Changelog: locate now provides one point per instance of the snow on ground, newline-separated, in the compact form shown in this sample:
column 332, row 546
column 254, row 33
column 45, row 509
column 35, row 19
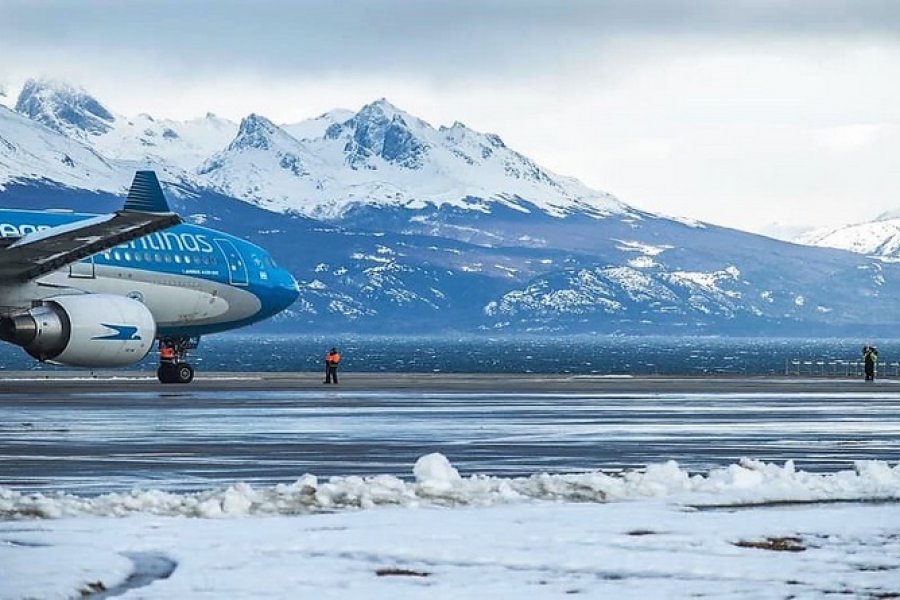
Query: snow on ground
column 641, row 247
column 662, row 533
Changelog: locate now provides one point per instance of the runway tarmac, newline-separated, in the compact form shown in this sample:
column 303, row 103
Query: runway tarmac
column 68, row 431
column 62, row 382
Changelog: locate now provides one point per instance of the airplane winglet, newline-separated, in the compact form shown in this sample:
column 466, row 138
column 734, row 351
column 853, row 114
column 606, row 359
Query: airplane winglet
column 146, row 195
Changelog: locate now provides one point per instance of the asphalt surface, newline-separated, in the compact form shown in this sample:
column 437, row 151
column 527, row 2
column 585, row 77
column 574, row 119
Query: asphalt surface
column 89, row 434
column 63, row 382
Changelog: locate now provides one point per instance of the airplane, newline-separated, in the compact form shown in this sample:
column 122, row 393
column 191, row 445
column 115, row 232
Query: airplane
column 99, row 291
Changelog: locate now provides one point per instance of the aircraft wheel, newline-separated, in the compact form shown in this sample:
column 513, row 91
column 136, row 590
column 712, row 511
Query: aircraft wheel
column 165, row 373
column 184, row 373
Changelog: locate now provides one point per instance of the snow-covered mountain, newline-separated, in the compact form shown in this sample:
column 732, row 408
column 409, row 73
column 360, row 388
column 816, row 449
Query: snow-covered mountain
column 378, row 156
column 179, row 144
column 67, row 110
column 72, row 112
column 879, row 238
column 31, row 151
column 382, row 156
column 311, row 129
column 392, row 224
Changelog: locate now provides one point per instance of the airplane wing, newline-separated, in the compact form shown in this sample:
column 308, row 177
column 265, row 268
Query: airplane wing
column 145, row 211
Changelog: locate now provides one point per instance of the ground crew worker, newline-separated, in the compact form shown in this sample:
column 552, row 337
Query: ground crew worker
column 870, row 357
column 166, row 352
column 332, row 360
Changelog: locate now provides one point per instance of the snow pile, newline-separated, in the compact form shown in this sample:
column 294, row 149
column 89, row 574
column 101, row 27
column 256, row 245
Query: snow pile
column 434, row 473
column 438, row 483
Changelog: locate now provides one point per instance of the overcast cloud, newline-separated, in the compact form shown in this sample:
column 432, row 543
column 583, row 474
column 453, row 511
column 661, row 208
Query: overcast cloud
column 744, row 113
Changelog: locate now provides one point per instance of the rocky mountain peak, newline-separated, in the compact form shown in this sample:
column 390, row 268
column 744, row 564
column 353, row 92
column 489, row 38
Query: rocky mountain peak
column 271, row 146
column 255, row 131
column 380, row 129
column 383, row 108
column 63, row 108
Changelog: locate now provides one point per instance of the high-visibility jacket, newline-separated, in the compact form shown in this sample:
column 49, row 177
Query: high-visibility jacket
column 167, row 352
column 333, row 359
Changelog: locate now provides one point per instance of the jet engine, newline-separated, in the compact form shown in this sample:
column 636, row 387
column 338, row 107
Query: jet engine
column 90, row 330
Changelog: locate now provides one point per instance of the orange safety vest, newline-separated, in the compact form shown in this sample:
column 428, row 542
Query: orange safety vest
column 167, row 352
column 333, row 358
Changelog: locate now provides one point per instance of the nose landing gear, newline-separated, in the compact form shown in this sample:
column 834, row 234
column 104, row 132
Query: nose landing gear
column 172, row 355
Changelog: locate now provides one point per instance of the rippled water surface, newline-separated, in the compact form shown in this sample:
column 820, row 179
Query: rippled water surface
column 486, row 354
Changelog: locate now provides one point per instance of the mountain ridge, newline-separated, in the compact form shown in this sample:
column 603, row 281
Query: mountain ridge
column 391, row 153
column 391, row 224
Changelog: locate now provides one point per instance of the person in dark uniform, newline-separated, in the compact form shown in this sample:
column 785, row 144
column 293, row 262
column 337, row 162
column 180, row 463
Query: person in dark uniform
column 870, row 358
column 332, row 360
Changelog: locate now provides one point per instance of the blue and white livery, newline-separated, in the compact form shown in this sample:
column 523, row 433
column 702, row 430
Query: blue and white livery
column 101, row 291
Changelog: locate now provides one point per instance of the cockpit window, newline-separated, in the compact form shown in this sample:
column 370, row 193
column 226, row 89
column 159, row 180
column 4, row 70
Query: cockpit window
column 270, row 263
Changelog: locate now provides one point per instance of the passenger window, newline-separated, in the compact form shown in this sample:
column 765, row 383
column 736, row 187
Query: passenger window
column 116, row 255
column 178, row 259
column 137, row 257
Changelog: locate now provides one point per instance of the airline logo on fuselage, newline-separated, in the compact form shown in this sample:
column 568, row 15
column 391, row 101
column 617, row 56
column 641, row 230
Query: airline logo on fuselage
column 161, row 241
column 172, row 241
column 10, row 230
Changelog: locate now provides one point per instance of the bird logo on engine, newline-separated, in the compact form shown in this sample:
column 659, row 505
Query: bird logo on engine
column 125, row 333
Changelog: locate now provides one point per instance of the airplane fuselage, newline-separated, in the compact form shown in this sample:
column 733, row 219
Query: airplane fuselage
column 194, row 280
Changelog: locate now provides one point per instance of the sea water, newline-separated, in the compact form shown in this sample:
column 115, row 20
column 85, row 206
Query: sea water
column 582, row 354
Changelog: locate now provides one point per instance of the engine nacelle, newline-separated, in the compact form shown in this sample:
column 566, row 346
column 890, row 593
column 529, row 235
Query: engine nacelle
column 90, row 330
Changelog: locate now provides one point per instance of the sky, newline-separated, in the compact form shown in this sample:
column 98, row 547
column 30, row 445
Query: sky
column 769, row 116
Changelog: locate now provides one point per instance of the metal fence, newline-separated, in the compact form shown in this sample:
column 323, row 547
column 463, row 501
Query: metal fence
column 837, row 368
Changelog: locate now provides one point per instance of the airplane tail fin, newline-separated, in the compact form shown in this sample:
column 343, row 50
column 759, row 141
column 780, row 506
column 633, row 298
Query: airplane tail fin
column 146, row 195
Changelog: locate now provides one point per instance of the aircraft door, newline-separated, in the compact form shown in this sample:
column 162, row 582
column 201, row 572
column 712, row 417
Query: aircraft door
column 237, row 268
column 83, row 269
